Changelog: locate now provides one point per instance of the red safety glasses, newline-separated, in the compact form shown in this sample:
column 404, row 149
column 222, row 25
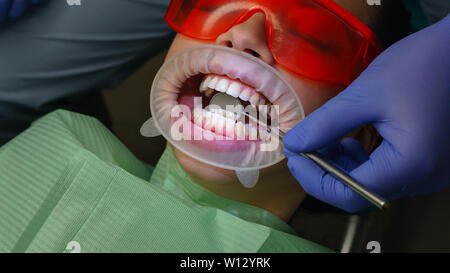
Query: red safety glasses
column 317, row 39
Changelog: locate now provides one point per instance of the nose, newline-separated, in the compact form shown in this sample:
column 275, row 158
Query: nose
column 249, row 36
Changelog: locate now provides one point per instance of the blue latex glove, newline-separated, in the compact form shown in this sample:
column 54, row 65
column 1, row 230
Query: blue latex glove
column 405, row 94
column 14, row 8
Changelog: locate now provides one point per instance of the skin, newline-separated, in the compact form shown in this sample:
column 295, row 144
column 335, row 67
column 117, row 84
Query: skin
column 284, row 196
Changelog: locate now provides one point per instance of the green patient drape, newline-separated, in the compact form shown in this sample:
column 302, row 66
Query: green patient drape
column 67, row 178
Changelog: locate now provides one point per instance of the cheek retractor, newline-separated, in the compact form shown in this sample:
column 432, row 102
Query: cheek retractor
column 184, row 126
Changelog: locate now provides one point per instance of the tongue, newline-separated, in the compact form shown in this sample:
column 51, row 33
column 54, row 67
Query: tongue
column 187, row 100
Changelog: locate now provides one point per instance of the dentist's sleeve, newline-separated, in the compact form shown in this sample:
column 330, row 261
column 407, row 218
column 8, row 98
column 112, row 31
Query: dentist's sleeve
column 405, row 94
column 61, row 55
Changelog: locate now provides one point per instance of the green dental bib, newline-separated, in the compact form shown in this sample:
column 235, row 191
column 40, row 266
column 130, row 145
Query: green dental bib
column 67, row 180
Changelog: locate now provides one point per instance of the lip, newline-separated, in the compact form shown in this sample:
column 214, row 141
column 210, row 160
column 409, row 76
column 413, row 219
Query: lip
column 208, row 59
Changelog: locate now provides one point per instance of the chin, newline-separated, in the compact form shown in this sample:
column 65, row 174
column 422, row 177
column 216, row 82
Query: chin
column 204, row 173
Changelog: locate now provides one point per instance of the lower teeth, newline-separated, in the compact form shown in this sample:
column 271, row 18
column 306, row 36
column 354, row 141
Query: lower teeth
column 220, row 123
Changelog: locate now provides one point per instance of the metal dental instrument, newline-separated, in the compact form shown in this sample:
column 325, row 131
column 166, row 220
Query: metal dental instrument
column 221, row 100
column 334, row 171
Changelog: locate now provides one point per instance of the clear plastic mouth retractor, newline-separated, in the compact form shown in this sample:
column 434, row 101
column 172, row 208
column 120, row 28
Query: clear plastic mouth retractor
column 246, row 159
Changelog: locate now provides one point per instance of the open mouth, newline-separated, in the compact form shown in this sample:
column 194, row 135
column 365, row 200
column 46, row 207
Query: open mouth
column 226, row 139
column 222, row 122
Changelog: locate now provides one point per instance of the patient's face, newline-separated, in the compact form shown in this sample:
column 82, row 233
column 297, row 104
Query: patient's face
column 250, row 37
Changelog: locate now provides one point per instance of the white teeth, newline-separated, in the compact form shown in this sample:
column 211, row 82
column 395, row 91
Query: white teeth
column 213, row 82
column 220, row 123
column 240, row 133
column 245, row 94
column 204, row 84
column 230, row 127
column 216, row 121
column 264, row 109
column 230, row 115
column 254, row 100
column 198, row 117
column 208, row 119
column 207, row 114
column 263, row 134
column 224, row 113
column 214, row 110
column 233, row 89
column 253, row 135
column 222, row 85
column 208, row 124
column 218, row 111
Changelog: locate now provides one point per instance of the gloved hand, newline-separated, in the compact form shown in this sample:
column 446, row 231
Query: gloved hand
column 405, row 94
column 14, row 8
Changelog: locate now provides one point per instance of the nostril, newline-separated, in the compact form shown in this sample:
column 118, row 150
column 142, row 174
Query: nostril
column 254, row 53
column 248, row 50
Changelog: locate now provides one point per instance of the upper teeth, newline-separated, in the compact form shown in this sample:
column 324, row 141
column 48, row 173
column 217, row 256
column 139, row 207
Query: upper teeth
column 231, row 87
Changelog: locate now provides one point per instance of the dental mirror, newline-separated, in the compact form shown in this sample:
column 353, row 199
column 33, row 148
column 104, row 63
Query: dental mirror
column 223, row 100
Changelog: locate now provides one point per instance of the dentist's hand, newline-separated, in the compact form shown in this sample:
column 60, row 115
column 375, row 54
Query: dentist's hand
column 14, row 8
column 405, row 94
